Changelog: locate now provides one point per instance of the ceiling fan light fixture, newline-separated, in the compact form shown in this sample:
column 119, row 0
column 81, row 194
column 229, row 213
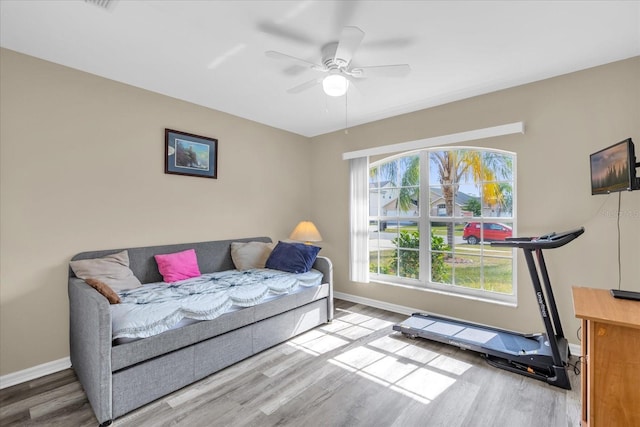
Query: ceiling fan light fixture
column 335, row 84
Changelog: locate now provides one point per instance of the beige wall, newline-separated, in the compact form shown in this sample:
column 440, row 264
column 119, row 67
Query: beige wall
column 81, row 168
column 566, row 118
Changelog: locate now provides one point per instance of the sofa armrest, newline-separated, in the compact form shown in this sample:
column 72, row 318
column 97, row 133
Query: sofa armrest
column 90, row 345
column 324, row 265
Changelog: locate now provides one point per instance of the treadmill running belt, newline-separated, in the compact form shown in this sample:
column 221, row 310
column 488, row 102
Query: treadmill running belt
column 516, row 343
column 444, row 328
column 497, row 340
column 476, row 335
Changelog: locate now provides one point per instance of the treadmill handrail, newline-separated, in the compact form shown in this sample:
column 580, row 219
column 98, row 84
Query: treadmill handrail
column 548, row 241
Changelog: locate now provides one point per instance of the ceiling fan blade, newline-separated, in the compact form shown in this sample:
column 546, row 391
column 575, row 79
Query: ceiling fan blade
column 278, row 55
column 350, row 39
column 278, row 31
column 398, row 70
column 304, row 86
column 343, row 14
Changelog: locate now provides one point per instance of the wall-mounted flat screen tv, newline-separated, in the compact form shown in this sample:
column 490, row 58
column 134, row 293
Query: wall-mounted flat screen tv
column 614, row 168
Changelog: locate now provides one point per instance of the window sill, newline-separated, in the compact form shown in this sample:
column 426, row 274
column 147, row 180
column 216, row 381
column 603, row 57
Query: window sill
column 477, row 298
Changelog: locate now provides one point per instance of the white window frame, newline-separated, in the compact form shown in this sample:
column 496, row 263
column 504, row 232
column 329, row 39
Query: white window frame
column 425, row 218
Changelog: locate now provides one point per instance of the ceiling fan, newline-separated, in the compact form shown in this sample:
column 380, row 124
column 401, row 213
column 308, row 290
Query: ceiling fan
column 336, row 63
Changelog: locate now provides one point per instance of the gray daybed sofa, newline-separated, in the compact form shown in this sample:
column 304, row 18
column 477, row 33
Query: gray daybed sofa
column 119, row 378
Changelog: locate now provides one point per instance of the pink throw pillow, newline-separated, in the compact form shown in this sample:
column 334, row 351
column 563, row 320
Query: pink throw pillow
column 178, row 266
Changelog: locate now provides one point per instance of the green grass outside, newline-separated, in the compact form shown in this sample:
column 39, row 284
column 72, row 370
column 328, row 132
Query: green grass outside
column 497, row 271
column 438, row 230
column 497, row 275
column 441, row 230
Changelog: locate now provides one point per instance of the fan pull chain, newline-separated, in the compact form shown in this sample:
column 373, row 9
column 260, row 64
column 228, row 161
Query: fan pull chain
column 346, row 127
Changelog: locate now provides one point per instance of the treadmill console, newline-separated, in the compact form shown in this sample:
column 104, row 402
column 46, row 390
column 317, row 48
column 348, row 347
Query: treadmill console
column 547, row 241
column 557, row 236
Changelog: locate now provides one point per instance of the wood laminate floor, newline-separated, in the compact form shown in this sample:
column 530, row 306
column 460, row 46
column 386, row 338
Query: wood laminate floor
column 355, row 371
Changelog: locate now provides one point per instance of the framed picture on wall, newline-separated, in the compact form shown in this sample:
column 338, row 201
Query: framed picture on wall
column 189, row 154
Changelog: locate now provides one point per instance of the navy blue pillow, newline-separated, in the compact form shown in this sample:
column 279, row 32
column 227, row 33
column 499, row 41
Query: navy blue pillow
column 292, row 257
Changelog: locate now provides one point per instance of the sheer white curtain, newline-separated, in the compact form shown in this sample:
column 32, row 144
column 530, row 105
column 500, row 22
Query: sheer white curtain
column 359, row 220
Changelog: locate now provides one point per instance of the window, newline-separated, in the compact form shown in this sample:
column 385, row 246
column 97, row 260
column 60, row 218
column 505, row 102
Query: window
column 462, row 199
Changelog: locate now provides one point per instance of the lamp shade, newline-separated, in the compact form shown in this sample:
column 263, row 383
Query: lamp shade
column 306, row 232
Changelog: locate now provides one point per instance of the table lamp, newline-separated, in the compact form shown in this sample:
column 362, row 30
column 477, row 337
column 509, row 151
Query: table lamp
column 306, row 232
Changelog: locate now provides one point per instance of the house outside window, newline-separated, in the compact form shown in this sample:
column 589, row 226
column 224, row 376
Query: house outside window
column 461, row 199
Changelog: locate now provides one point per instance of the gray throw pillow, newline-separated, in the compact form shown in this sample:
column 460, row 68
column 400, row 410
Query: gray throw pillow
column 250, row 255
column 111, row 269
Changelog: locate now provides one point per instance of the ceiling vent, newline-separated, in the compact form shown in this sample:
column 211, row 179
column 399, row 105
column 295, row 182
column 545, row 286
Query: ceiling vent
column 104, row 4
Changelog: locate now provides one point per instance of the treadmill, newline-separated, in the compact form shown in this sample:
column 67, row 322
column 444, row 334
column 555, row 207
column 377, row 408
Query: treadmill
column 541, row 356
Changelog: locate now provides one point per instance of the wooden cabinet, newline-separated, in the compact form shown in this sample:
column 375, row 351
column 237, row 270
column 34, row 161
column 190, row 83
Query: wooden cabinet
column 610, row 377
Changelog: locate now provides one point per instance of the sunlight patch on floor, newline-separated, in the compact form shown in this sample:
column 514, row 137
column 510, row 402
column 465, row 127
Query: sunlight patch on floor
column 335, row 326
column 389, row 344
column 380, row 365
column 354, row 332
column 376, row 324
column 318, row 343
column 426, row 383
column 307, row 336
column 355, row 318
column 417, row 354
column 449, row 364
column 390, row 369
column 404, row 367
column 358, row 357
column 341, row 331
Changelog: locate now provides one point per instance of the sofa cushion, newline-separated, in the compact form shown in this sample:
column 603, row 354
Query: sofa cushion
column 248, row 255
column 104, row 289
column 113, row 270
column 292, row 257
column 178, row 266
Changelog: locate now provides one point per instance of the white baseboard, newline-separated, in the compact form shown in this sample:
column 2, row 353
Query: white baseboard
column 34, row 372
column 573, row 348
column 377, row 304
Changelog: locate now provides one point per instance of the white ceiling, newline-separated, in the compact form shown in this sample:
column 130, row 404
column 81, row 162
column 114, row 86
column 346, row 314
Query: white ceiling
column 211, row 53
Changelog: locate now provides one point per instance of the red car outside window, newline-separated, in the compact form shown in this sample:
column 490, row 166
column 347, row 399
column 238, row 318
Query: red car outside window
column 491, row 231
